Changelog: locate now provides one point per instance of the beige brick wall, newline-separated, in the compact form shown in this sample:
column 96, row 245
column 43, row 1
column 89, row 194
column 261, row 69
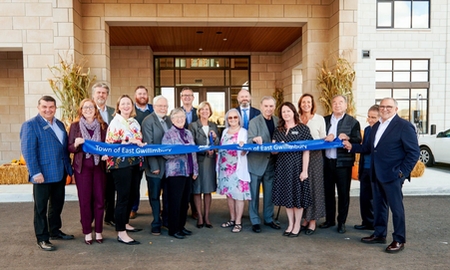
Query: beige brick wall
column 12, row 110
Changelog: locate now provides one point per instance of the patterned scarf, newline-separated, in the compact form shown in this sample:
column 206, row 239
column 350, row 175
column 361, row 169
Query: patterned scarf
column 94, row 126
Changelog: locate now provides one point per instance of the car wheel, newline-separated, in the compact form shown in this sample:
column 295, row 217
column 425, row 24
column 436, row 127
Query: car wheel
column 426, row 156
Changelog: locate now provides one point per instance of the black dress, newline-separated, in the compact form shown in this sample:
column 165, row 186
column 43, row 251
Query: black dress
column 288, row 190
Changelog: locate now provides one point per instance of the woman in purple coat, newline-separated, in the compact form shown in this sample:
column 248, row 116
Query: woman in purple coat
column 89, row 170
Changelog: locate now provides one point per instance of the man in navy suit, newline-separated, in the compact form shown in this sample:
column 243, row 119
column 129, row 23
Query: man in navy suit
column 247, row 112
column 394, row 152
column 44, row 146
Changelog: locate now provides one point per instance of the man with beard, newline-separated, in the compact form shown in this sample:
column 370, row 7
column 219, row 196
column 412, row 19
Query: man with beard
column 247, row 112
column 142, row 110
column 100, row 92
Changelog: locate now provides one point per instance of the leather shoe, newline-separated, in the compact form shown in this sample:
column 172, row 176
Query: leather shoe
column 395, row 247
column 341, row 228
column 272, row 225
column 132, row 242
column 178, row 235
column 100, row 241
column 186, row 231
column 62, row 236
column 46, row 245
column 256, row 228
column 156, row 230
column 133, row 215
column 134, row 230
column 310, row 231
column 110, row 223
column 209, row 226
column 363, row 227
column 373, row 240
column 326, row 225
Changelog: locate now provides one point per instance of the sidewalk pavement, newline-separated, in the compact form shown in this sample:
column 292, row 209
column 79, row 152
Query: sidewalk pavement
column 435, row 181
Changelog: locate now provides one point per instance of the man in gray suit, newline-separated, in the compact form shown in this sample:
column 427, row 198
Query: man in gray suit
column 153, row 128
column 100, row 92
column 261, row 165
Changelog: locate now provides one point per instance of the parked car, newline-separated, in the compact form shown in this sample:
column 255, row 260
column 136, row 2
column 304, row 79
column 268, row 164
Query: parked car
column 435, row 148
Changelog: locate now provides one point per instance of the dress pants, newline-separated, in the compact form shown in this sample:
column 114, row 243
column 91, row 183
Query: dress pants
column 253, row 206
column 339, row 177
column 91, row 184
column 110, row 197
column 48, row 197
column 178, row 192
column 126, row 181
column 365, row 198
column 154, row 193
column 385, row 196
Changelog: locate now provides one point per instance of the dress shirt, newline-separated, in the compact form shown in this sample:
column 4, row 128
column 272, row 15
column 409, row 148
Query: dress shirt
column 381, row 128
column 103, row 113
column 332, row 153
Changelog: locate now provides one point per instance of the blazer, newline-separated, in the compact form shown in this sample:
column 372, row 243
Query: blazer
column 367, row 132
column 194, row 117
column 153, row 132
column 253, row 112
column 77, row 162
column 397, row 151
column 258, row 161
column 351, row 127
column 177, row 165
column 42, row 150
column 200, row 138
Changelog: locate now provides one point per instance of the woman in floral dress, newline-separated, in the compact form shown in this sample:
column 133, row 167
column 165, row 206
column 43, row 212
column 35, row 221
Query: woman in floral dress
column 233, row 176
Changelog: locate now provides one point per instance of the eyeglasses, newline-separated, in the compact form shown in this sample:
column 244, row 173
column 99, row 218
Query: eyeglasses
column 187, row 95
column 386, row 107
column 88, row 107
column 233, row 117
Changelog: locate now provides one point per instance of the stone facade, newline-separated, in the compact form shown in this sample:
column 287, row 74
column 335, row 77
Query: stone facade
column 35, row 32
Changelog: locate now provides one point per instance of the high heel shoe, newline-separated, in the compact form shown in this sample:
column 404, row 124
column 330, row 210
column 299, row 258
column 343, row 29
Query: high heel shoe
column 291, row 234
column 200, row 225
column 88, row 242
column 100, row 241
column 286, row 233
column 209, row 226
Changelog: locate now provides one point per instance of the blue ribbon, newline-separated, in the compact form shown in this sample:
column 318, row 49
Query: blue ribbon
column 131, row 150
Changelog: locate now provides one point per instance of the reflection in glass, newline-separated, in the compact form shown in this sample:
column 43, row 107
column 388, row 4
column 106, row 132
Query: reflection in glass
column 169, row 93
column 402, row 14
column 420, row 14
column 422, row 92
column 401, row 77
column 402, row 64
column 217, row 101
column 383, row 65
column 384, row 15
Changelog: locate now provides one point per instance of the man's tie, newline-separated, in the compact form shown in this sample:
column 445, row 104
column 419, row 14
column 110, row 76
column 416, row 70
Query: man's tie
column 245, row 116
column 164, row 125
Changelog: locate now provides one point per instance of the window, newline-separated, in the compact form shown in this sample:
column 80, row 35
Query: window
column 406, row 80
column 403, row 14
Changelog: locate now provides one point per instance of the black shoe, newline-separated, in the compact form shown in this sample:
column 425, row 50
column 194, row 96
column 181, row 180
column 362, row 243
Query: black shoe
column 156, row 231
column 209, row 226
column 200, row 225
column 310, row 231
column 178, row 235
column 286, row 233
column 256, row 228
column 186, row 231
column 132, row 242
column 272, row 225
column 326, row 225
column 364, row 227
column 341, row 228
column 374, row 239
column 291, row 234
column 62, row 236
column 134, row 230
column 46, row 245
column 110, row 223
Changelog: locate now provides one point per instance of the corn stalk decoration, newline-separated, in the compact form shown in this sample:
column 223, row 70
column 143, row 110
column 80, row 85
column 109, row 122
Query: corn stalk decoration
column 338, row 81
column 278, row 95
column 71, row 85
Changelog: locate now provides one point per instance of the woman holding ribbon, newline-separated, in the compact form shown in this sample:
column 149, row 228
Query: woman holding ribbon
column 89, row 170
column 126, row 172
column 316, row 124
column 204, row 132
column 233, row 176
column 180, row 171
column 291, row 185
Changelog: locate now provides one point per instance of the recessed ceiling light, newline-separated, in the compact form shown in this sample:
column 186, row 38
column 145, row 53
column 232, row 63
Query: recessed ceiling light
column 200, row 49
column 199, row 32
column 225, row 39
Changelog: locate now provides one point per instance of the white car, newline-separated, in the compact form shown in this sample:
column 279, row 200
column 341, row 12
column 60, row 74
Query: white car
column 435, row 148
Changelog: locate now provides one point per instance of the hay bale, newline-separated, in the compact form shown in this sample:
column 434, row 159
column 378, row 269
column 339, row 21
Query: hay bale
column 13, row 174
column 418, row 170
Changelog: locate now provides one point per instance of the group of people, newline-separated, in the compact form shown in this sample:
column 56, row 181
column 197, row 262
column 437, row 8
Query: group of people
column 303, row 182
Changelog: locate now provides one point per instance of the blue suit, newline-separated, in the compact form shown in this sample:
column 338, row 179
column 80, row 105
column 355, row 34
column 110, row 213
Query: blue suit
column 44, row 153
column 392, row 161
